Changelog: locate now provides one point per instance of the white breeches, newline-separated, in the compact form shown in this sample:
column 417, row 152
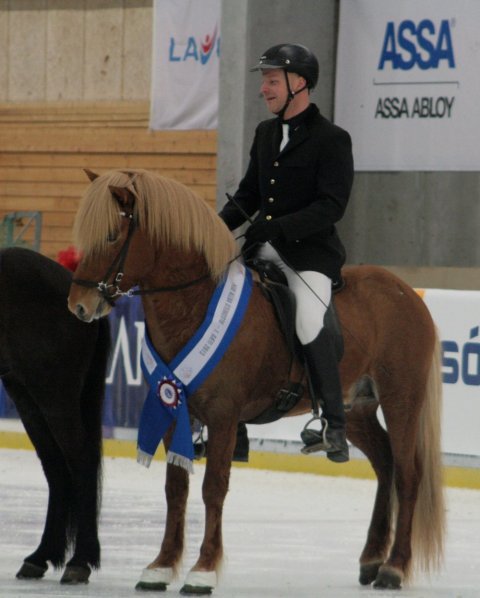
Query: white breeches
column 312, row 290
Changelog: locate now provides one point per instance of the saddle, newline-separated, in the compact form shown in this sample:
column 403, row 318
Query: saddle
column 275, row 287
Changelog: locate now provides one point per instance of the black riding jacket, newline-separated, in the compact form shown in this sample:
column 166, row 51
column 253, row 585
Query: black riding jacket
column 305, row 188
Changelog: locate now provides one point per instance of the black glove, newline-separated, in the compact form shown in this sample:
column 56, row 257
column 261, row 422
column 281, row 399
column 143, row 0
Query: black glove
column 262, row 231
column 231, row 218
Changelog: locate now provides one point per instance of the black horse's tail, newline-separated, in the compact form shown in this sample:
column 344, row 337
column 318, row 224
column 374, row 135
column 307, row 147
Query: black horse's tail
column 94, row 393
column 92, row 401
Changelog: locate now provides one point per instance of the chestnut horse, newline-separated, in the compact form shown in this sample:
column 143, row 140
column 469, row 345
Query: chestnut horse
column 53, row 368
column 138, row 228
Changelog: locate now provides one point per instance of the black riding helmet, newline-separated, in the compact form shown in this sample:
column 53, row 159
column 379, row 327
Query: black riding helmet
column 293, row 58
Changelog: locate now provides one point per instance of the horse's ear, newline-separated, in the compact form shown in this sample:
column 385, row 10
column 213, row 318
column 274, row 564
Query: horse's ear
column 91, row 175
column 121, row 194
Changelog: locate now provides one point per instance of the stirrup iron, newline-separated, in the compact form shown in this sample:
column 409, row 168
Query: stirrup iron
column 315, row 440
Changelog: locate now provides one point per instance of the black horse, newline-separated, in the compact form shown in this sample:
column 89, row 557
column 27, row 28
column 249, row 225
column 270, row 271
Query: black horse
column 53, row 368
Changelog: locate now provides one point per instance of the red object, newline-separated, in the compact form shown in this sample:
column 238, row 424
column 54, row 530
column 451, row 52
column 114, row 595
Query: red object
column 69, row 258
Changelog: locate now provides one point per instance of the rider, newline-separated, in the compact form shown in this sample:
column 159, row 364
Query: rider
column 299, row 180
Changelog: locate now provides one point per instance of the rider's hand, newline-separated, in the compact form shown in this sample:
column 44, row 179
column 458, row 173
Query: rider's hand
column 262, row 231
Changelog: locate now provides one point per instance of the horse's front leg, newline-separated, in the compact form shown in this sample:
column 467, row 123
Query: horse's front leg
column 160, row 572
column 221, row 443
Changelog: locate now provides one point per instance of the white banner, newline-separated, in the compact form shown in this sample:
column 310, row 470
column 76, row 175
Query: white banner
column 185, row 64
column 408, row 84
column 457, row 316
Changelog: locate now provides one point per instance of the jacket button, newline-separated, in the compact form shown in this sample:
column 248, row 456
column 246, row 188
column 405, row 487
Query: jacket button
column 276, row 164
column 268, row 217
column 271, row 199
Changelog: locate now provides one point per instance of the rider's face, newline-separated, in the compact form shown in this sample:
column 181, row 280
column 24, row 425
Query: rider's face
column 274, row 88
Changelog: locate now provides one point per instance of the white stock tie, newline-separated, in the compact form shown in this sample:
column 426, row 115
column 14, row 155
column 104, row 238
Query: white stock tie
column 284, row 141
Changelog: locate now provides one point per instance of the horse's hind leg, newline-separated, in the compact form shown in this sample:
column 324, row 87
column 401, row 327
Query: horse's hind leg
column 366, row 433
column 53, row 544
column 407, row 480
column 83, row 462
column 163, row 569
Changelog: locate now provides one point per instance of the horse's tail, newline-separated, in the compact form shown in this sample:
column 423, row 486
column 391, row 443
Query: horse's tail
column 428, row 527
column 93, row 396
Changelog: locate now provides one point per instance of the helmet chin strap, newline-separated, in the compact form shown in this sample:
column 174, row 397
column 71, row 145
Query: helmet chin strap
column 290, row 96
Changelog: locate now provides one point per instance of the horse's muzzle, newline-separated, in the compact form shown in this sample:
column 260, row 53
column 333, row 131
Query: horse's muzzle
column 88, row 313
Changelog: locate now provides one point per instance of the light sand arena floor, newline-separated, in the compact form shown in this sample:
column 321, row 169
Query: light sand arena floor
column 285, row 534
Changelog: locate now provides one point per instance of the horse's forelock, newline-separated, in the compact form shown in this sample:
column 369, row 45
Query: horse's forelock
column 98, row 213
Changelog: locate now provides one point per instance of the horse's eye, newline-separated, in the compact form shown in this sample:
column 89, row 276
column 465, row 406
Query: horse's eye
column 112, row 236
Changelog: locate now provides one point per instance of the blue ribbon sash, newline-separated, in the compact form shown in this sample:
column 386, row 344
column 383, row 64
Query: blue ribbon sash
column 171, row 384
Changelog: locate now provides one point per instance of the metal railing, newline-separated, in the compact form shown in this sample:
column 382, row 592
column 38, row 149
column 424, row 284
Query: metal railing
column 21, row 229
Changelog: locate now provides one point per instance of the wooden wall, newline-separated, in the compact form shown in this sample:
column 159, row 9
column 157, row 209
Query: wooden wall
column 74, row 94
column 45, row 145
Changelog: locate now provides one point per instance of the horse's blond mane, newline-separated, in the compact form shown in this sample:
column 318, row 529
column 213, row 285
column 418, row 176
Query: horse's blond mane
column 167, row 211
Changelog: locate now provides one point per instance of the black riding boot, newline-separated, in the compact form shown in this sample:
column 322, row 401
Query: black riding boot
column 322, row 367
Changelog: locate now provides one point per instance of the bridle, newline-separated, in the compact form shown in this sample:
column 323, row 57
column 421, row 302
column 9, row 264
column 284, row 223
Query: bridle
column 112, row 291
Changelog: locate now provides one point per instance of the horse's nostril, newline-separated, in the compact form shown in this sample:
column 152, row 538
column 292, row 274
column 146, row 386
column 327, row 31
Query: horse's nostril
column 80, row 312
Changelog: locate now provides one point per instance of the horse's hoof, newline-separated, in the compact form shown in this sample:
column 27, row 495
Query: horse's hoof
column 31, row 571
column 151, row 587
column 388, row 578
column 199, row 583
column 368, row 573
column 143, row 586
column 155, row 580
column 74, row 574
column 189, row 590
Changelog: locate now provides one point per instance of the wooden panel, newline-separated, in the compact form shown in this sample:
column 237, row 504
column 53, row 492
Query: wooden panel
column 37, row 204
column 52, row 248
column 109, row 161
column 45, row 146
column 57, row 234
column 31, row 112
column 188, row 177
column 61, row 219
column 69, row 190
column 107, row 139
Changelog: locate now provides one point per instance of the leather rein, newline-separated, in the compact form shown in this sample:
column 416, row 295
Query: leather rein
column 111, row 291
